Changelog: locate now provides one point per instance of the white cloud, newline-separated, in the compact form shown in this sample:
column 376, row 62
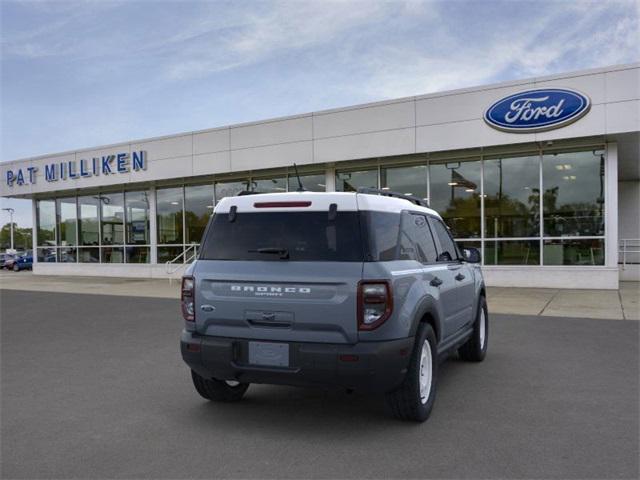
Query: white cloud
column 53, row 29
column 211, row 38
column 528, row 47
column 288, row 26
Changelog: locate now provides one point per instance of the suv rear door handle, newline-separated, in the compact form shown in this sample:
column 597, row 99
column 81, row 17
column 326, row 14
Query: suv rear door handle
column 459, row 277
column 436, row 282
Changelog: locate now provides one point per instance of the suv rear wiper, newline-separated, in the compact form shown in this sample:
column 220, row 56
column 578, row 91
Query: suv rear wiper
column 283, row 252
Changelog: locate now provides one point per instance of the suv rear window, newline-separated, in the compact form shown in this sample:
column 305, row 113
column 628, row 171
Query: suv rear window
column 294, row 236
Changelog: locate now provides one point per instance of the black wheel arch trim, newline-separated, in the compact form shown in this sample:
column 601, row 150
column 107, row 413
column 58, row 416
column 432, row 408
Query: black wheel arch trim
column 427, row 307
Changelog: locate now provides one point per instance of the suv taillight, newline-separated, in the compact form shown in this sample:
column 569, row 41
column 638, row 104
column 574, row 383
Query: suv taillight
column 375, row 303
column 187, row 299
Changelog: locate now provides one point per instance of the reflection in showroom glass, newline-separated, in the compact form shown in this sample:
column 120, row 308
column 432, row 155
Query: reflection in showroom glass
column 573, row 195
column 410, row 180
column 512, row 252
column 169, row 208
column 351, row 181
column 512, row 197
column 574, row 252
column 455, row 194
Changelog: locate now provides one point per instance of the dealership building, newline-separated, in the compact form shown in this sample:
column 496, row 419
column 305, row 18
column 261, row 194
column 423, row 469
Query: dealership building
column 541, row 174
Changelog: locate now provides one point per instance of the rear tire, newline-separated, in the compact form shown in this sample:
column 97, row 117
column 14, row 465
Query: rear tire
column 415, row 397
column 16, row 268
column 475, row 349
column 218, row 390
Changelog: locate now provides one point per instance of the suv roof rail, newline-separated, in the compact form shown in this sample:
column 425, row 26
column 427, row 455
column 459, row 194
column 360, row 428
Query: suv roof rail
column 248, row 192
column 388, row 193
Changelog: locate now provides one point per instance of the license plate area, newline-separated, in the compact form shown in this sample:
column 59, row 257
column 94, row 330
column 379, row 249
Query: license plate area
column 269, row 354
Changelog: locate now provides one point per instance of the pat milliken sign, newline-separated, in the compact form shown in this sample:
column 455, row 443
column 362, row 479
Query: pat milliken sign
column 117, row 163
column 537, row 110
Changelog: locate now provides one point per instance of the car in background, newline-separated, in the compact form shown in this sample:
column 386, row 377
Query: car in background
column 23, row 262
column 8, row 260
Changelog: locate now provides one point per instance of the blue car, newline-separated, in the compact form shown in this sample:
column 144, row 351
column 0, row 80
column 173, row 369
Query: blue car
column 24, row 262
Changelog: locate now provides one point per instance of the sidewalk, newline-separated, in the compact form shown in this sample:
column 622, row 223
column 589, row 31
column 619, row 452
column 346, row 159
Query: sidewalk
column 623, row 304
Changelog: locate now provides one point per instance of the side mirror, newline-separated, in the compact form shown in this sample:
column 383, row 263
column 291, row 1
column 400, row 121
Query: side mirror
column 472, row 255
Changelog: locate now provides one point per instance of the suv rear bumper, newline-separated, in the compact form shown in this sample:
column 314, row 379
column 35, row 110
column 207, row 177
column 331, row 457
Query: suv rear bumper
column 368, row 366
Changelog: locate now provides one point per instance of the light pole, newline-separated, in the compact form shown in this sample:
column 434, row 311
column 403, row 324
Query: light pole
column 11, row 212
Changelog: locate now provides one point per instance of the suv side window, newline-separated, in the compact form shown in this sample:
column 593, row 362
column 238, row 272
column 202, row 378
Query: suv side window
column 426, row 240
column 380, row 232
column 448, row 251
column 416, row 242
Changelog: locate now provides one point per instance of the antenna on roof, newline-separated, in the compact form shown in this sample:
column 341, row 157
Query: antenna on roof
column 300, row 187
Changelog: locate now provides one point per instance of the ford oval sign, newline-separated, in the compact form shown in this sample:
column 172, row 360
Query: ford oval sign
column 537, row 110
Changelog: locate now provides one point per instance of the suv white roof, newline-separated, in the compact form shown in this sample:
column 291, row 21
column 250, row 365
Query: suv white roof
column 318, row 201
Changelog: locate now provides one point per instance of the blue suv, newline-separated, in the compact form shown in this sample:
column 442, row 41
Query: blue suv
column 23, row 262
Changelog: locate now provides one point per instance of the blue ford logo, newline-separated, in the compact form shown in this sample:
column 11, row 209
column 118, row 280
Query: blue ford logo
column 537, row 110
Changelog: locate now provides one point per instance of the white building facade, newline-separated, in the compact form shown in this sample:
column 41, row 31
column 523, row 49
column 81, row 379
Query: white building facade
column 542, row 175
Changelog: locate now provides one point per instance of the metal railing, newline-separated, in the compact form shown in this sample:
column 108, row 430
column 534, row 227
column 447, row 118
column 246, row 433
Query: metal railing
column 629, row 247
column 187, row 256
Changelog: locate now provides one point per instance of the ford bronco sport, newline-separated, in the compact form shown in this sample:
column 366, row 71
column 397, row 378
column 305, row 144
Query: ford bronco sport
column 366, row 291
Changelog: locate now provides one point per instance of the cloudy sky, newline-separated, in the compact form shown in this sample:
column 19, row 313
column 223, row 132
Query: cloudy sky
column 80, row 74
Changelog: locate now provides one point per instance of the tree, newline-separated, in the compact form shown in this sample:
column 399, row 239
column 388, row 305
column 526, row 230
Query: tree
column 21, row 237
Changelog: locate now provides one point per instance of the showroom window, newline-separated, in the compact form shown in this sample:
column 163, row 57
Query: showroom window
column 512, row 210
column 573, row 195
column 198, row 207
column 573, row 207
column 574, row 251
column 46, row 222
column 512, row 197
column 112, row 227
column 512, row 252
column 455, row 194
column 89, row 232
column 67, row 223
column 351, row 181
column 112, row 218
column 169, row 207
column 270, row 185
column 46, row 230
column 314, row 182
column 137, row 248
column 563, row 226
column 412, row 180
column 88, row 229
column 230, row 189
column 106, row 228
column 507, row 189
column 170, row 223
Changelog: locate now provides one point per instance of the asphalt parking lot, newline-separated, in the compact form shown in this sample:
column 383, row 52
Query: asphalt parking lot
column 94, row 387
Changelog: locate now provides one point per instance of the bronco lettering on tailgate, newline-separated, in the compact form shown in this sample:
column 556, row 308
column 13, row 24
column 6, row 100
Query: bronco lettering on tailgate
column 271, row 291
